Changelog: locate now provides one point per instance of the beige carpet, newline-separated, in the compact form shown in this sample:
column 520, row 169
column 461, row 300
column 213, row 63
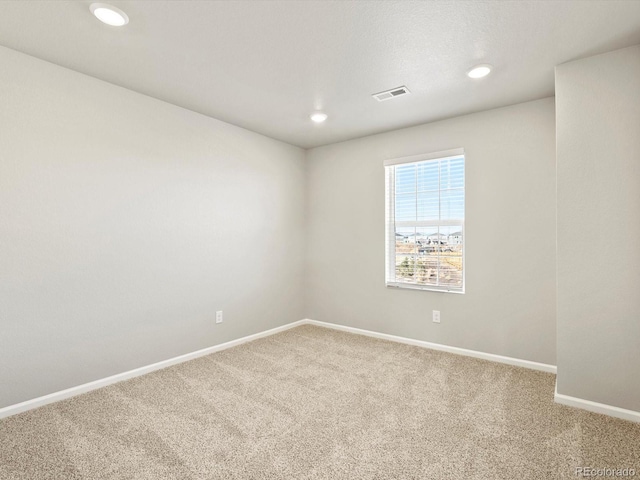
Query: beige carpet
column 317, row 403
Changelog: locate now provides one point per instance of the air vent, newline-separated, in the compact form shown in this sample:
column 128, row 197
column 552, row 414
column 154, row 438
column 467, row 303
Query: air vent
column 388, row 94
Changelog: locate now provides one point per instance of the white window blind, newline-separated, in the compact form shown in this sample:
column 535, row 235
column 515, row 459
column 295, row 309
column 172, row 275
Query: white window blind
column 425, row 221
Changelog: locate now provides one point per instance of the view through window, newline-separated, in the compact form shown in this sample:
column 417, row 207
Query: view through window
column 425, row 223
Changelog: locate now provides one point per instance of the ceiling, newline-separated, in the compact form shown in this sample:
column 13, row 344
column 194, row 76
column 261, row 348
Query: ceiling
column 266, row 65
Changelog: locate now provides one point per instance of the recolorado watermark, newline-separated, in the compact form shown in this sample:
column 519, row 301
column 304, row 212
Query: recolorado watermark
column 605, row 472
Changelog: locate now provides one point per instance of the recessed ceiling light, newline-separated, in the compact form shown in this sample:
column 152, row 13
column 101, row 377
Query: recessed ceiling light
column 108, row 14
column 480, row 71
column 318, row 117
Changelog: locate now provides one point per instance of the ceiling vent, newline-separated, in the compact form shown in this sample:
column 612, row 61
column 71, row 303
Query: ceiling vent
column 393, row 93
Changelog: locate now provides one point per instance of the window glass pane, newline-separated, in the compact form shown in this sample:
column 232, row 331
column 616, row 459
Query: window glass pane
column 452, row 236
column 405, row 207
column 406, row 268
column 437, row 241
column 452, row 204
column 405, row 240
column 428, row 206
column 452, row 173
column 423, row 233
column 451, row 271
column 424, row 244
column 427, row 176
column 406, row 179
column 426, row 271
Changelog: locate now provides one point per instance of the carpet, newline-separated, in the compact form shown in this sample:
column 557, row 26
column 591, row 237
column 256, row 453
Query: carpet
column 315, row 403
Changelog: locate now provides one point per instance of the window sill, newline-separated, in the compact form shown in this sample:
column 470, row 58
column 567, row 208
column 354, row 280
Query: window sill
column 429, row 288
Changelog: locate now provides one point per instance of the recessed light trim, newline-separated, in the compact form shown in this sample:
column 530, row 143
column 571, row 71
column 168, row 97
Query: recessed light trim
column 318, row 117
column 109, row 14
column 480, row 71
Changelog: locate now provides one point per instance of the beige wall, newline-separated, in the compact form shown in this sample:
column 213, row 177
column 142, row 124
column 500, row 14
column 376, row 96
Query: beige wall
column 598, row 129
column 509, row 304
column 126, row 222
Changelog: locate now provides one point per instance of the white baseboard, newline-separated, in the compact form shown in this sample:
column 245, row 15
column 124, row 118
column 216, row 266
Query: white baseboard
column 543, row 367
column 87, row 387
column 596, row 407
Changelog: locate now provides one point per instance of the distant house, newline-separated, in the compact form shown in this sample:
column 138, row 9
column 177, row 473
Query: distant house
column 430, row 243
column 437, row 239
column 455, row 238
column 401, row 238
column 410, row 238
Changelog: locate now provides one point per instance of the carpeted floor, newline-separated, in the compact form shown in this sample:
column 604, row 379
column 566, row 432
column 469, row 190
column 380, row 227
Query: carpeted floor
column 314, row 403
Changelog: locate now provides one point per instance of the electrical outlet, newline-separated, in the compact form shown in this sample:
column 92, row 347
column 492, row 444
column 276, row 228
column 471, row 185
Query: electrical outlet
column 219, row 316
column 436, row 316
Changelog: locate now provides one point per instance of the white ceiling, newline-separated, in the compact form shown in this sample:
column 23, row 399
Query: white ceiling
column 266, row 65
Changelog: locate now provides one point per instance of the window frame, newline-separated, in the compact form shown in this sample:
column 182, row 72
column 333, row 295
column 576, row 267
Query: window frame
column 391, row 224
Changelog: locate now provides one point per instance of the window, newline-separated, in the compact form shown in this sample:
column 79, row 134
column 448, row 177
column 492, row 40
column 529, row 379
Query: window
column 425, row 221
